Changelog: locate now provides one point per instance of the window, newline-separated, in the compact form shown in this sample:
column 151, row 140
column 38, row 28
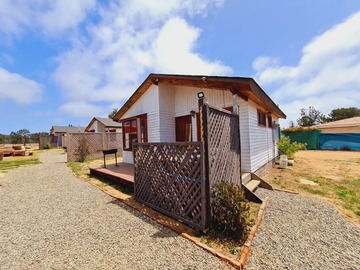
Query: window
column 261, row 118
column 269, row 121
column 130, row 131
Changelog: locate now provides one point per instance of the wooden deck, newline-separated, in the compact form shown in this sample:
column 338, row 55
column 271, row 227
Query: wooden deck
column 123, row 172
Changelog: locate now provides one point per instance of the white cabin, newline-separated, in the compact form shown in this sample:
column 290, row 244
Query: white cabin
column 165, row 109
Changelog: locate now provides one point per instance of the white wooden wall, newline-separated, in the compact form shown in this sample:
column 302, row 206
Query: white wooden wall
column 244, row 118
column 262, row 149
column 148, row 103
column 164, row 102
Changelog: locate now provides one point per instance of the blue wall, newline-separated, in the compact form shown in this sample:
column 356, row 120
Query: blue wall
column 339, row 140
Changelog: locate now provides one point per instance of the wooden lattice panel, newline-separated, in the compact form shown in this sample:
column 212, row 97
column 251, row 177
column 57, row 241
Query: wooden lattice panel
column 169, row 177
column 223, row 136
column 96, row 143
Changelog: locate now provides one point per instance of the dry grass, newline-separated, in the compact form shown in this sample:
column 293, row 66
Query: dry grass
column 335, row 176
column 11, row 162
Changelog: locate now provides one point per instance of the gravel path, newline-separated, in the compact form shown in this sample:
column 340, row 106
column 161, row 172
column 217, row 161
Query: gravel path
column 303, row 233
column 51, row 220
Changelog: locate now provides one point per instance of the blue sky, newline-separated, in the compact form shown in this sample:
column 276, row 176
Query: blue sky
column 63, row 62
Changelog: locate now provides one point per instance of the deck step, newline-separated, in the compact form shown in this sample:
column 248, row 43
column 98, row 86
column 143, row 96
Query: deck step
column 250, row 182
column 246, row 177
column 252, row 185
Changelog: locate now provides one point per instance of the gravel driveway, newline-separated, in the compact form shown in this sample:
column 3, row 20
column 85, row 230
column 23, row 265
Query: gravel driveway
column 303, row 233
column 51, row 220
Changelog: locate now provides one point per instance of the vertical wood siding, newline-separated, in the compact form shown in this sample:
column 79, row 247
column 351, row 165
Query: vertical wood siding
column 167, row 114
column 244, row 118
column 186, row 99
column 148, row 102
column 261, row 143
column 128, row 157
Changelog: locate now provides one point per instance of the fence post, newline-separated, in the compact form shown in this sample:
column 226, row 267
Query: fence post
column 103, row 136
column 203, row 110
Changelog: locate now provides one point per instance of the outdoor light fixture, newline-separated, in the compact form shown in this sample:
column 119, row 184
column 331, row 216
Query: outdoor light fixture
column 200, row 95
column 192, row 113
column 268, row 114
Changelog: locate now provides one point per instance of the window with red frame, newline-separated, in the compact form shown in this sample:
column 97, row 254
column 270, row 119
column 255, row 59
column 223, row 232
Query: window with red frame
column 269, row 120
column 131, row 129
column 129, row 133
column 261, row 118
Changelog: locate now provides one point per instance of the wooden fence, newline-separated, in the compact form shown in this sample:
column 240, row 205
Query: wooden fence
column 222, row 143
column 96, row 142
column 169, row 177
column 177, row 178
column 48, row 139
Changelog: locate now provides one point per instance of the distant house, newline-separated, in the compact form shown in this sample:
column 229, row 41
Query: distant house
column 349, row 125
column 58, row 132
column 165, row 109
column 99, row 124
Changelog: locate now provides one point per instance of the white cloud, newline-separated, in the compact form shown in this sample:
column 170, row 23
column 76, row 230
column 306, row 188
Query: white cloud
column 51, row 17
column 81, row 109
column 326, row 77
column 131, row 39
column 21, row 90
column 174, row 51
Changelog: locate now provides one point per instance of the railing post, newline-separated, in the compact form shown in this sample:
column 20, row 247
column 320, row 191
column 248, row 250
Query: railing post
column 203, row 110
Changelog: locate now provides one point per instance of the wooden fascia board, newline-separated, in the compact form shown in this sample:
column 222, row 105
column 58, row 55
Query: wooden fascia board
column 266, row 100
column 89, row 125
column 244, row 87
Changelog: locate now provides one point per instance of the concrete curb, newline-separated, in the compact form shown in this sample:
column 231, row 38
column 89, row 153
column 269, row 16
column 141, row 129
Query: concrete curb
column 162, row 220
column 246, row 249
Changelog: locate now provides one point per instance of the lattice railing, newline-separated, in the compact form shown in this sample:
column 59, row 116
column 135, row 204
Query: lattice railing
column 223, row 146
column 169, row 177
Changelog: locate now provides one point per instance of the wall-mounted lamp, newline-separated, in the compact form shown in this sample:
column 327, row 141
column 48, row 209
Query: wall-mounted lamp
column 192, row 113
column 200, row 95
column 268, row 114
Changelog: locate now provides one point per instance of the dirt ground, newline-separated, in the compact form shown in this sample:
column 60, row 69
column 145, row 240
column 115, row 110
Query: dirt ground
column 333, row 175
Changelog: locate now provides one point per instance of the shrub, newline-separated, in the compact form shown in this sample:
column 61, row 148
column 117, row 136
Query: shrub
column 83, row 150
column 47, row 145
column 231, row 211
column 288, row 148
column 345, row 148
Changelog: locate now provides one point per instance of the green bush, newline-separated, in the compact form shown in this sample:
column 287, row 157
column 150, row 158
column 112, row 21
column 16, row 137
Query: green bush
column 47, row 145
column 288, row 148
column 231, row 211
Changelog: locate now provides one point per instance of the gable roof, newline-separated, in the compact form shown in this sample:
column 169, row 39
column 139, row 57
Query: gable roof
column 64, row 129
column 107, row 122
column 349, row 122
column 246, row 88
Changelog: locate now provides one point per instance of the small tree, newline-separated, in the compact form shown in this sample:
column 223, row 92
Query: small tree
column 310, row 117
column 113, row 113
column 288, row 148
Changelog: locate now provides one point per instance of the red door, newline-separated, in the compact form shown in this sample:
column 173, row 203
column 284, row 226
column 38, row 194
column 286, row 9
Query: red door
column 183, row 128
